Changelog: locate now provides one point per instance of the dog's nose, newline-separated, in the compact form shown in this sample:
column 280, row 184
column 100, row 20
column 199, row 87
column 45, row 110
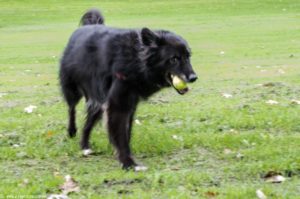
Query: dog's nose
column 192, row 77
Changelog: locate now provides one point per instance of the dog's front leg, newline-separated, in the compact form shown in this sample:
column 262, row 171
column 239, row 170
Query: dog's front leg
column 118, row 123
column 120, row 108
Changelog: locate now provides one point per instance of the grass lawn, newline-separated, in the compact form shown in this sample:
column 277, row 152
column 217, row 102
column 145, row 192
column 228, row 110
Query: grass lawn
column 200, row 145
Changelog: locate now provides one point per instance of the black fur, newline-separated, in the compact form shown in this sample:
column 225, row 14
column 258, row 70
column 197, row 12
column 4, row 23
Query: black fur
column 115, row 68
column 93, row 16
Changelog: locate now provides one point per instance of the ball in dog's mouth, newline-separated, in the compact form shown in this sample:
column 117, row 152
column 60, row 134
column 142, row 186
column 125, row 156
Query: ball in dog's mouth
column 179, row 84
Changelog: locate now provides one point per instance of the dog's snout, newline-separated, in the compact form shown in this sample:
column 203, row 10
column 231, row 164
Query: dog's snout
column 192, row 77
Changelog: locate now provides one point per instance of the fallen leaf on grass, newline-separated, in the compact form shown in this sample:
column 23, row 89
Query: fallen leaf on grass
column 30, row 108
column 176, row 137
column 274, row 177
column 226, row 95
column 272, row 102
column 281, row 71
column 49, row 134
column 260, row 194
column 137, row 122
column 175, row 168
column 211, row 194
column 70, row 185
column 57, row 196
column 227, row 151
column 239, row 156
column 57, row 175
column 2, row 94
column 140, row 168
column 233, row 131
column 297, row 102
column 16, row 145
column 269, row 84
column 24, row 183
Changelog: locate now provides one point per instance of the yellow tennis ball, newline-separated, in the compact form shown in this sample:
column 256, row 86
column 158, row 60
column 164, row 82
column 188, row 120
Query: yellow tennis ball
column 178, row 83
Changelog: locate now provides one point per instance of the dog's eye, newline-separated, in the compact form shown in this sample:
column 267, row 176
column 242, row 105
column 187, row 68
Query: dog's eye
column 174, row 60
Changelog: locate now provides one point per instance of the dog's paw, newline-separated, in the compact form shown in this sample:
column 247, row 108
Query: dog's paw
column 72, row 132
column 87, row 152
column 140, row 168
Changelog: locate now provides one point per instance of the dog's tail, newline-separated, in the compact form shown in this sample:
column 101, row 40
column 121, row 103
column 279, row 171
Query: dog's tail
column 92, row 16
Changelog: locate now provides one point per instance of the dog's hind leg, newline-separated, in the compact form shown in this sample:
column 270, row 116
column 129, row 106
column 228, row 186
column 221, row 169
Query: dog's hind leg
column 94, row 113
column 72, row 121
column 72, row 97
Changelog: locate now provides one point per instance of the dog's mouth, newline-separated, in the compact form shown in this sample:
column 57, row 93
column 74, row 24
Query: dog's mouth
column 178, row 83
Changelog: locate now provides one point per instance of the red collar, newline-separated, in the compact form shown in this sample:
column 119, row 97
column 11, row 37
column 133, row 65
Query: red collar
column 121, row 76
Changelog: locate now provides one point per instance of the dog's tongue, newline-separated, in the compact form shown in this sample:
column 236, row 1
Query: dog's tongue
column 179, row 84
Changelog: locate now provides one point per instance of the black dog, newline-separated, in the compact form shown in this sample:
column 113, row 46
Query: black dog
column 115, row 68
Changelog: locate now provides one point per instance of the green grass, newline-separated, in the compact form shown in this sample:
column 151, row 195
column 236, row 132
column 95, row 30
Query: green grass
column 259, row 38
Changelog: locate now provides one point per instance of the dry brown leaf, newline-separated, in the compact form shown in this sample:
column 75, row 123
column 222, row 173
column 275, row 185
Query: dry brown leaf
column 49, row 134
column 269, row 84
column 211, row 194
column 70, row 185
column 175, row 168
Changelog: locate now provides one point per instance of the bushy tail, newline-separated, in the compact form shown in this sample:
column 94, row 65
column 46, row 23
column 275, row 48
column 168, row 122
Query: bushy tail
column 92, row 16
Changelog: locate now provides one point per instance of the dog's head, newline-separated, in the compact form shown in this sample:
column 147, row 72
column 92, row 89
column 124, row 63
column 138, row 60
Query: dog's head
column 168, row 56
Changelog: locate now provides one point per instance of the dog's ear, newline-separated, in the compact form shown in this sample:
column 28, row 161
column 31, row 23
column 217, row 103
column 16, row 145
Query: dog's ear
column 149, row 38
